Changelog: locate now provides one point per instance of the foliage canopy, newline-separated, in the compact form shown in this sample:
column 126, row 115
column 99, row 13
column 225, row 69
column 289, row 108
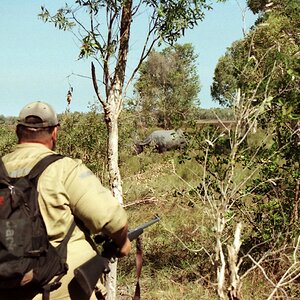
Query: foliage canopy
column 168, row 86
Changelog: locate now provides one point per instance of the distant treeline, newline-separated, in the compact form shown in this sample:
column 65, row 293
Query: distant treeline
column 8, row 120
column 200, row 114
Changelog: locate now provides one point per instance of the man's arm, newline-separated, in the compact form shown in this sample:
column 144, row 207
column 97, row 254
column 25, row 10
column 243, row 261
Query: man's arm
column 91, row 202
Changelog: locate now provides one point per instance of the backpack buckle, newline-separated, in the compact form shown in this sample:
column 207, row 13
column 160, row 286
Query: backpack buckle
column 36, row 253
column 55, row 285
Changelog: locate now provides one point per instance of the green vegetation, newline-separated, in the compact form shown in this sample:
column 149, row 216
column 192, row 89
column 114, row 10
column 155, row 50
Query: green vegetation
column 265, row 61
column 217, row 178
column 8, row 138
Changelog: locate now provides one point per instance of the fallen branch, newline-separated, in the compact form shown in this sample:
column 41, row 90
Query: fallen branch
column 142, row 201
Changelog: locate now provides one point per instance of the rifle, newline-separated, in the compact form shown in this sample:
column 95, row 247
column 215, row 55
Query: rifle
column 88, row 274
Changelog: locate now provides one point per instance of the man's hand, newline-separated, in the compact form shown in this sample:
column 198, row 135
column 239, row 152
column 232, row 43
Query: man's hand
column 121, row 240
column 123, row 251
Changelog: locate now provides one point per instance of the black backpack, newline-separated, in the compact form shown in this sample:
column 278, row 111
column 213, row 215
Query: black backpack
column 27, row 259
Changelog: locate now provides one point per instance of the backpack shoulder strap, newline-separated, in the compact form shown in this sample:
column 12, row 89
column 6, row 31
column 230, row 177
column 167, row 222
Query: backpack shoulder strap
column 3, row 171
column 38, row 169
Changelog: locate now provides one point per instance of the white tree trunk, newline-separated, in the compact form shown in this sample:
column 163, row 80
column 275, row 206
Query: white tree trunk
column 111, row 118
column 220, row 259
column 233, row 251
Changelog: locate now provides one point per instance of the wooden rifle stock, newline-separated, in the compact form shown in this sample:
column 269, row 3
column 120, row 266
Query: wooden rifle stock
column 88, row 274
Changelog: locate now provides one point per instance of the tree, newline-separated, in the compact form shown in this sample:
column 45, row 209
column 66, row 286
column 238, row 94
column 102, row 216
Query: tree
column 104, row 30
column 227, row 74
column 257, row 5
column 267, row 59
column 265, row 65
column 268, row 55
column 168, row 85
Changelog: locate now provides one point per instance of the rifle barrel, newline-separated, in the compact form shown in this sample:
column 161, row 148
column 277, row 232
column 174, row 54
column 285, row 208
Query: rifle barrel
column 134, row 233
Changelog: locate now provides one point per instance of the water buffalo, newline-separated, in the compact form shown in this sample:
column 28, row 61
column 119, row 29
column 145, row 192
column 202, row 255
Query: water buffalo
column 163, row 140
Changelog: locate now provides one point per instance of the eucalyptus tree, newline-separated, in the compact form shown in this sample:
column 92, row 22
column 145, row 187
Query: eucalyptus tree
column 104, row 29
column 168, row 86
column 267, row 59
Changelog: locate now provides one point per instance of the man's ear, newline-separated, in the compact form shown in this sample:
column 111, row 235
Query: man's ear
column 54, row 134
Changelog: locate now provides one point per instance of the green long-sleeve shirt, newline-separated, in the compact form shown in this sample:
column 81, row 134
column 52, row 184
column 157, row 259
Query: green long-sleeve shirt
column 67, row 188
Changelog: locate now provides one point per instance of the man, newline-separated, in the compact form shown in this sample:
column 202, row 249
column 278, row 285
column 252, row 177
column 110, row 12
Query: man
column 67, row 189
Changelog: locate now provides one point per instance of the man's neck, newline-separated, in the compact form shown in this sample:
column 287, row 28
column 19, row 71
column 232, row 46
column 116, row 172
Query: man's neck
column 48, row 144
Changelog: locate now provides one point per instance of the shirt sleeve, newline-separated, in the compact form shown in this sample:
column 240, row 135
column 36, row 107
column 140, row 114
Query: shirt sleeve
column 91, row 202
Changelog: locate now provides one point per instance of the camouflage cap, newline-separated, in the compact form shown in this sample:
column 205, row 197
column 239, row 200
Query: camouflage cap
column 41, row 110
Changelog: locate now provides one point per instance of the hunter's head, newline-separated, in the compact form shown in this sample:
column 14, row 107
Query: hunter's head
column 37, row 123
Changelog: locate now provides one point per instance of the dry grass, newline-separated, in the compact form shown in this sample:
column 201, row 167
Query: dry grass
column 173, row 255
column 177, row 251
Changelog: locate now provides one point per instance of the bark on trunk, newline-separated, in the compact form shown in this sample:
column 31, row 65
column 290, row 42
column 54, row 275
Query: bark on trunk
column 220, row 258
column 111, row 119
column 233, row 251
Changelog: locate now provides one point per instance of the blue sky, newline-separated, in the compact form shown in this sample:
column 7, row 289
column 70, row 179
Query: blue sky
column 36, row 58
